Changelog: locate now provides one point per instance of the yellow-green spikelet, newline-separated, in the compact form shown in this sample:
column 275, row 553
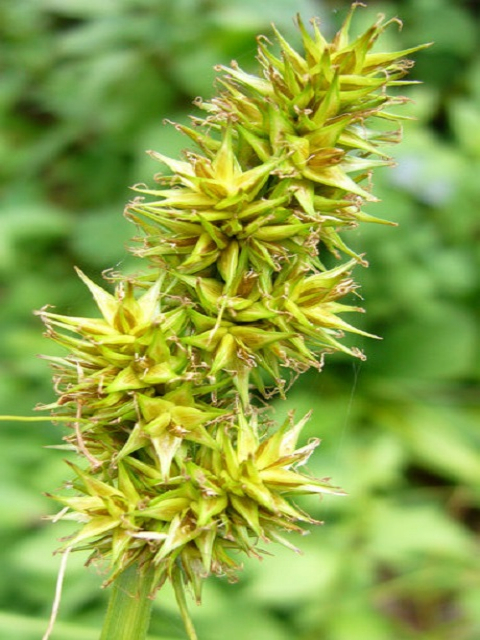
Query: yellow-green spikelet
column 181, row 470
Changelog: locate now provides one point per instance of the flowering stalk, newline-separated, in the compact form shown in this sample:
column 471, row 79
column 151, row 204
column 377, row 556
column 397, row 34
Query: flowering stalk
column 165, row 392
column 129, row 608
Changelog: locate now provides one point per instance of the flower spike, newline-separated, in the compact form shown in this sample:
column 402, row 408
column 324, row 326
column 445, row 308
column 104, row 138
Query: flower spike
column 182, row 468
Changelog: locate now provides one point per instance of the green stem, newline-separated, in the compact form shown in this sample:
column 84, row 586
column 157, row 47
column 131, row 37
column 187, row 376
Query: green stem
column 130, row 605
column 40, row 419
column 182, row 605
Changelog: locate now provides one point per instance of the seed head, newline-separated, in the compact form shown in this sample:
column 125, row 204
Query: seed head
column 162, row 391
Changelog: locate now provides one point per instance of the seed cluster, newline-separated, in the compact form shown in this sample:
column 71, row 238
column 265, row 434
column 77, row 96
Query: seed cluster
column 164, row 391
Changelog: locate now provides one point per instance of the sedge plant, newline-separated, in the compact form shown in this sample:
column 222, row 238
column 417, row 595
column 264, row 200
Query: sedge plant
column 179, row 466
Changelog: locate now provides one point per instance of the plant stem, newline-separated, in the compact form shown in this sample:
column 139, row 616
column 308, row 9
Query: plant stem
column 182, row 605
column 129, row 608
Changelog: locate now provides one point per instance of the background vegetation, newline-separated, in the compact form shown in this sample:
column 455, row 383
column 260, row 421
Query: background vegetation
column 85, row 85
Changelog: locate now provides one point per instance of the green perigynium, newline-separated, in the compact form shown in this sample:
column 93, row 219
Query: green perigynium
column 182, row 467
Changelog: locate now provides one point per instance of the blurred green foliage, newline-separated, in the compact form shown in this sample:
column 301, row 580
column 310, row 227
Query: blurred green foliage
column 85, row 85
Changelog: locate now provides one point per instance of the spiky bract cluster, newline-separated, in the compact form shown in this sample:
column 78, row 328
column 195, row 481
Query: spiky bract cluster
column 182, row 467
column 173, row 481
column 237, row 227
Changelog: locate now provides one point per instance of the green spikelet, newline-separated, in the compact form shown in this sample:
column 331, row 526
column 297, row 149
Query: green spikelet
column 181, row 469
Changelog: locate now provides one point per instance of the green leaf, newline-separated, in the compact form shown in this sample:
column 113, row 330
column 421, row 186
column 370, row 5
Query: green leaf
column 24, row 627
column 440, row 346
column 400, row 532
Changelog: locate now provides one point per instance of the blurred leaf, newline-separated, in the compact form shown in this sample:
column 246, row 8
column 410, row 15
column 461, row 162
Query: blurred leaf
column 437, row 438
column 101, row 238
column 405, row 533
column 440, row 345
column 269, row 587
column 428, row 168
column 252, row 15
column 26, row 628
column 443, row 22
column 81, row 8
column 357, row 621
column 19, row 507
column 30, row 221
column 465, row 119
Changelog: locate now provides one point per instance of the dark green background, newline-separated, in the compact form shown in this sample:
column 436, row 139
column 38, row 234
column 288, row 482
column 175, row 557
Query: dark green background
column 84, row 87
